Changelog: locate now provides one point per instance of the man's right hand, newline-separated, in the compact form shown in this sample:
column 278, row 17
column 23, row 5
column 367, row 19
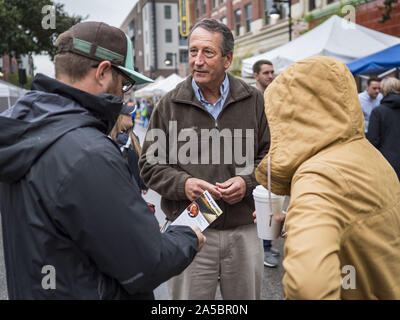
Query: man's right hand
column 194, row 188
column 202, row 239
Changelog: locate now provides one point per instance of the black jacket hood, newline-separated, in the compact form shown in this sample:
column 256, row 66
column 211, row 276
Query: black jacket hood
column 44, row 115
column 392, row 100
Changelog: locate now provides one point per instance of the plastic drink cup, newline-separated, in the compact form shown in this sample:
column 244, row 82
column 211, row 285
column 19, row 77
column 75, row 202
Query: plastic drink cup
column 267, row 226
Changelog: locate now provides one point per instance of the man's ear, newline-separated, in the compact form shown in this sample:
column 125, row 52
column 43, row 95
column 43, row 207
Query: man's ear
column 102, row 71
column 228, row 60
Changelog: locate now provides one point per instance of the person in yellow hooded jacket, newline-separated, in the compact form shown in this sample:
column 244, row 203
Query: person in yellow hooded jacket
column 343, row 221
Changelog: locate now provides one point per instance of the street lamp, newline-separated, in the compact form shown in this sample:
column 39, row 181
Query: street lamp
column 274, row 13
column 168, row 62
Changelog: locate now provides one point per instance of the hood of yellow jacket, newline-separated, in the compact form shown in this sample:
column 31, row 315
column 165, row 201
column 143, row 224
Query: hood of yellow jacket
column 311, row 106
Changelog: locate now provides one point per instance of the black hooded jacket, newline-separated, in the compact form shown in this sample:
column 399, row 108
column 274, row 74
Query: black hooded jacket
column 384, row 129
column 69, row 205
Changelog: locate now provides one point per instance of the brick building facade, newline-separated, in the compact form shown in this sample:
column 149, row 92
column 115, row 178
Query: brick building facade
column 369, row 14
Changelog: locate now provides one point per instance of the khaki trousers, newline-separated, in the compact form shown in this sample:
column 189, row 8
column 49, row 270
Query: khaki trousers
column 234, row 255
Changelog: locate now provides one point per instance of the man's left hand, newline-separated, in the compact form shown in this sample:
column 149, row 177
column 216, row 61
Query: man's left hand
column 232, row 190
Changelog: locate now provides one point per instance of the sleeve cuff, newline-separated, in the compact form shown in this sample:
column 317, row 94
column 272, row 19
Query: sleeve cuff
column 181, row 185
column 250, row 184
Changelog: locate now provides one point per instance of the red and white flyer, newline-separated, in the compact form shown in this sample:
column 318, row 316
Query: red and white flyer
column 201, row 213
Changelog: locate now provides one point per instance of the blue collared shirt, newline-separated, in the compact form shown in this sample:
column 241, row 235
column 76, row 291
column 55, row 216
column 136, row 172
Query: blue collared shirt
column 368, row 104
column 213, row 109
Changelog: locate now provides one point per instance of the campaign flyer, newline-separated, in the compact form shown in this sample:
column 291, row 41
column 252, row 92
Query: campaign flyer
column 201, row 212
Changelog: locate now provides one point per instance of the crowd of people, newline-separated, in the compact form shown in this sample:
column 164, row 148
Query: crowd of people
column 141, row 113
column 72, row 175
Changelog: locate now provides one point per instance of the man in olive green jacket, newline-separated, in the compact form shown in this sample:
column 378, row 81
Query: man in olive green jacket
column 343, row 221
column 210, row 133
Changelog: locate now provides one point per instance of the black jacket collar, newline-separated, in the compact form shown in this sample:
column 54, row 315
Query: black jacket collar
column 105, row 107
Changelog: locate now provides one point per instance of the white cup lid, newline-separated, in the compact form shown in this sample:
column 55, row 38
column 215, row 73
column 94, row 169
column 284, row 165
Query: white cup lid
column 262, row 192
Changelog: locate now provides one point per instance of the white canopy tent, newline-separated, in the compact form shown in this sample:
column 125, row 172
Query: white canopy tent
column 9, row 94
column 166, row 85
column 159, row 87
column 146, row 91
column 336, row 37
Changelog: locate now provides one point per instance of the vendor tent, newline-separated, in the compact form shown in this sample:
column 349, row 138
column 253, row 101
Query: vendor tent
column 385, row 59
column 9, row 94
column 160, row 87
column 336, row 37
column 146, row 91
column 167, row 84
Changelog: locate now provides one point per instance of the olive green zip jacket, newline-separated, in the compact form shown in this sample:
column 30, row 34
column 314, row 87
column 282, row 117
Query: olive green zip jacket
column 184, row 140
column 343, row 221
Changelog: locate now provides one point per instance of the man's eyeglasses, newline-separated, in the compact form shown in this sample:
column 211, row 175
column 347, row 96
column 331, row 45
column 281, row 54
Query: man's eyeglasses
column 127, row 84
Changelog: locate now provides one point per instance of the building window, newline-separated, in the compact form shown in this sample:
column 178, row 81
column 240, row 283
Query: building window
column 214, row 3
column 223, row 20
column 222, row 1
column 203, row 7
column 267, row 6
column 330, row 1
column 169, row 56
column 238, row 14
column 168, row 35
column 183, row 56
column 311, row 5
column 197, row 9
column 248, row 15
column 284, row 11
column 167, row 12
column 132, row 26
column 131, row 30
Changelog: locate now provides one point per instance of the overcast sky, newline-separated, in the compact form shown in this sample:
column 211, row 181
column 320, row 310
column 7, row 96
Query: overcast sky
column 111, row 12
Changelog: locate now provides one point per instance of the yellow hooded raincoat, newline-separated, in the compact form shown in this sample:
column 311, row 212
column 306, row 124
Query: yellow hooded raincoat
column 343, row 221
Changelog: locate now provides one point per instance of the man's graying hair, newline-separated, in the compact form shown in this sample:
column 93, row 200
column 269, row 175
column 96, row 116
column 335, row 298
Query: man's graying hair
column 212, row 25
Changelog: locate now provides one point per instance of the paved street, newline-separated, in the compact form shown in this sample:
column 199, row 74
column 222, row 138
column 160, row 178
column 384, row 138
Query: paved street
column 272, row 287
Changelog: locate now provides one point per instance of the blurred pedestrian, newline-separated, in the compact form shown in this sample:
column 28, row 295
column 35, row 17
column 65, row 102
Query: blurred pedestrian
column 212, row 100
column 370, row 98
column 343, row 221
column 384, row 123
column 143, row 113
column 263, row 72
column 128, row 142
column 74, row 223
column 150, row 107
